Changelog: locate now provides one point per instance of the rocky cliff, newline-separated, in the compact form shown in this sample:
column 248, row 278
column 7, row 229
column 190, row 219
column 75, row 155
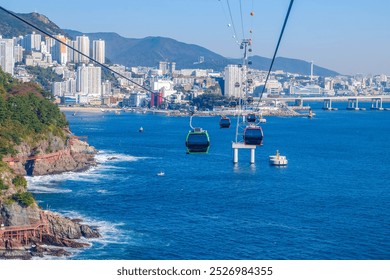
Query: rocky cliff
column 24, row 227
column 52, row 155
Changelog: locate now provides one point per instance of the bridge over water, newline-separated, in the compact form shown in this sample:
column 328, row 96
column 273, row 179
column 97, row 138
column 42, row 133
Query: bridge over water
column 352, row 101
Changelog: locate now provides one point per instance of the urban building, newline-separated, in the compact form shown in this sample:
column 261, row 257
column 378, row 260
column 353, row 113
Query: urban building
column 32, row 42
column 88, row 80
column 7, row 61
column 233, row 81
column 82, row 45
column 99, row 51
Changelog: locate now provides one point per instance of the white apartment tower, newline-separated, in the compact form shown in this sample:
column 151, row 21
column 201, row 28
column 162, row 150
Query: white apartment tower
column 82, row 45
column 233, row 81
column 99, row 50
column 88, row 80
column 7, row 62
column 60, row 51
column 18, row 53
column 32, row 42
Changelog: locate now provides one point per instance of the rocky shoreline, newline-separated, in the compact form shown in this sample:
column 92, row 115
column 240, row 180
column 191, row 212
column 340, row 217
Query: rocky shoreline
column 29, row 231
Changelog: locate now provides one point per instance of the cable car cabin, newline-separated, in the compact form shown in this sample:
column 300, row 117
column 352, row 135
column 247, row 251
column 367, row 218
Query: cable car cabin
column 224, row 122
column 253, row 135
column 251, row 118
column 198, row 141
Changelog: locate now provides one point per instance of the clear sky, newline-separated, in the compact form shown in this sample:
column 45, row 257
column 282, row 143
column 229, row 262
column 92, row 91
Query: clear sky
column 348, row 36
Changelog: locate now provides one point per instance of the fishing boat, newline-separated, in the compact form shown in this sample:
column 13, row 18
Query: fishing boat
column 278, row 160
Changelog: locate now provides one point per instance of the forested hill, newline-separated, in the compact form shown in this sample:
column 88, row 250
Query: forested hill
column 26, row 114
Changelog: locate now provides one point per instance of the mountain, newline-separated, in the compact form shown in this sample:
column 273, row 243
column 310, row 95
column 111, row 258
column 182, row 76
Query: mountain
column 289, row 65
column 150, row 51
column 12, row 27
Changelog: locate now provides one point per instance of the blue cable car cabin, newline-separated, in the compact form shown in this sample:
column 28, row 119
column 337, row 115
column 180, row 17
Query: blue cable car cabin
column 224, row 122
column 253, row 135
column 251, row 118
column 197, row 141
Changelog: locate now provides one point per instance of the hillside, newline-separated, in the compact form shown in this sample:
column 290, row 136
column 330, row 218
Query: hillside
column 150, row 51
column 10, row 26
column 35, row 140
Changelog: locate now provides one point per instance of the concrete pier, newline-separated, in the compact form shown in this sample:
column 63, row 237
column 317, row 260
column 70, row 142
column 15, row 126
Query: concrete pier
column 236, row 146
column 353, row 104
column 327, row 104
column 376, row 103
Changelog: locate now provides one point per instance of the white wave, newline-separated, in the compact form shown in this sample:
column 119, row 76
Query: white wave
column 101, row 191
column 49, row 183
column 106, row 156
column 46, row 189
column 111, row 233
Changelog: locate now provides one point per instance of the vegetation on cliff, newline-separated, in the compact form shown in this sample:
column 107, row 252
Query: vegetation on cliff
column 32, row 126
column 26, row 114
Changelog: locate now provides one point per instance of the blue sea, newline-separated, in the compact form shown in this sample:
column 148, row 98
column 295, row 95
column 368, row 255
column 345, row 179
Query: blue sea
column 332, row 201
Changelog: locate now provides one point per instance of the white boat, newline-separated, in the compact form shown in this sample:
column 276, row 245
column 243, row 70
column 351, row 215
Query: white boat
column 277, row 159
column 141, row 129
column 161, row 173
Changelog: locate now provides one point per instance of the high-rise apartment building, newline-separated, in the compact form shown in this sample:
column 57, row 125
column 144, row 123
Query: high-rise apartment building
column 18, row 53
column 32, row 42
column 59, row 51
column 99, row 50
column 7, row 62
column 233, row 81
column 82, row 45
column 88, row 79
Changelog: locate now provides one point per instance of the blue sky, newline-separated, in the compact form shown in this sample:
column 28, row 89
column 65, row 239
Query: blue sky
column 348, row 36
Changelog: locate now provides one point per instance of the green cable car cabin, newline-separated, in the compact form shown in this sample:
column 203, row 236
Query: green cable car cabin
column 197, row 141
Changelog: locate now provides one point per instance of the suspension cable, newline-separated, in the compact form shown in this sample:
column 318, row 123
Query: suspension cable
column 242, row 21
column 231, row 18
column 276, row 51
column 228, row 21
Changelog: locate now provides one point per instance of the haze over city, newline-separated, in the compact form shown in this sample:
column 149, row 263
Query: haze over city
column 346, row 36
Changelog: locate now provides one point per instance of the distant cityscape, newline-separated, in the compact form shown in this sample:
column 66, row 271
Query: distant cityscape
column 83, row 83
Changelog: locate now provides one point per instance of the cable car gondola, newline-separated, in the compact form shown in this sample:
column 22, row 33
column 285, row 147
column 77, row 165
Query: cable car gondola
column 197, row 141
column 253, row 135
column 251, row 118
column 224, row 122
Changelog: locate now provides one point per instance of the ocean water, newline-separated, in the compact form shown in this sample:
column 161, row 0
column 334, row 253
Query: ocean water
column 332, row 201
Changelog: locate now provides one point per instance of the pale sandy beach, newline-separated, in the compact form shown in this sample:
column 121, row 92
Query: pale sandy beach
column 88, row 109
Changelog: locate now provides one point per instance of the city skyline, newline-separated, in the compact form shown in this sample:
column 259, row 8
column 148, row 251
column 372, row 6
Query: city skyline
column 346, row 36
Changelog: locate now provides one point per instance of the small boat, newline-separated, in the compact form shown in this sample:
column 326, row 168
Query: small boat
column 161, row 173
column 278, row 160
column 311, row 114
column 141, row 129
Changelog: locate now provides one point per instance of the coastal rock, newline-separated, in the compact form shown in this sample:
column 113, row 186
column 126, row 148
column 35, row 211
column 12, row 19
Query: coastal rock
column 52, row 156
column 57, row 230
column 66, row 228
column 16, row 215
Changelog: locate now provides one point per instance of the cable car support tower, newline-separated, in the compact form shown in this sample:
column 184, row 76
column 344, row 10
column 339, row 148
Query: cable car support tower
column 243, row 122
